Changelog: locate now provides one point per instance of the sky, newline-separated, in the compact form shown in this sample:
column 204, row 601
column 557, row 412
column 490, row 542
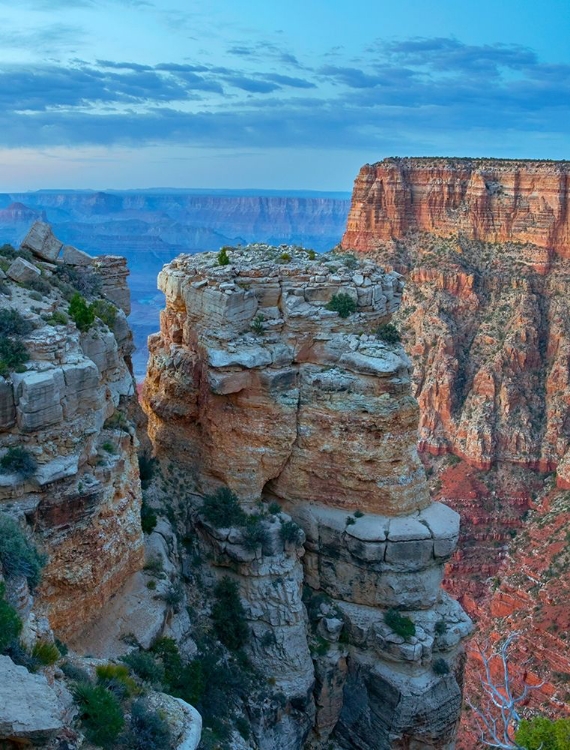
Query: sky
column 273, row 94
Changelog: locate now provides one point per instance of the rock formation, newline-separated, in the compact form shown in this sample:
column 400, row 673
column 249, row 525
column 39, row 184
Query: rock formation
column 485, row 314
column 69, row 409
column 255, row 384
column 484, row 246
column 491, row 200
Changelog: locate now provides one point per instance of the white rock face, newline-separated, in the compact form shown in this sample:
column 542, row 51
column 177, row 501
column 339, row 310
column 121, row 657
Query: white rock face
column 74, row 257
column 29, row 709
column 21, row 270
column 42, row 241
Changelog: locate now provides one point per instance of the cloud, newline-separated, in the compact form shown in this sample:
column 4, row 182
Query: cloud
column 296, row 83
column 416, row 89
column 47, row 39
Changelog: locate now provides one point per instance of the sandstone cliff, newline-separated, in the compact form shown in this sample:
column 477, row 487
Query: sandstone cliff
column 255, row 385
column 491, row 200
column 483, row 246
column 68, row 410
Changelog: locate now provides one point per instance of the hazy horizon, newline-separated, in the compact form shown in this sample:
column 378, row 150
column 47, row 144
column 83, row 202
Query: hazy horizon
column 134, row 93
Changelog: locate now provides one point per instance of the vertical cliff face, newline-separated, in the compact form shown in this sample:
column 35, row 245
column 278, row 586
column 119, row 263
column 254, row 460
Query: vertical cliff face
column 489, row 200
column 254, row 384
column 483, row 245
column 485, row 313
column 68, row 410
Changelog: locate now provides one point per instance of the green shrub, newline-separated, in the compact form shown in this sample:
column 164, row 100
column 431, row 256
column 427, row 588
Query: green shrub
column 290, row 532
column 148, row 518
column 222, row 509
column 145, row 666
column 106, row 312
column 228, row 615
column 223, row 257
column 343, row 304
column 72, row 672
column 257, row 324
column 350, row 520
column 440, row 666
column 101, row 714
column 116, row 678
column 13, row 356
column 388, row 333
column 38, row 285
column 21, row 656
column 440, row 627
column 18, row 556
column 71, row 279
column 10, row 622
column 14, row 324
column 57, row 318
column 18, row 460
column 358, row 514
column 7, row 251
column 541, row 733
column 255, row 534
column 82, row 314
column 153, row 565
column 400, row 624
column 117, row 421
column 285, row 257
column 274, row 508
column 46, row 653
column 349, row 261
column 109, row 447
column 148, row 730
column 312, row 254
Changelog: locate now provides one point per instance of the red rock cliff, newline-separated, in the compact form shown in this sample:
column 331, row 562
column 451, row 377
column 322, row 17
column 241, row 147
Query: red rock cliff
column 486, row 199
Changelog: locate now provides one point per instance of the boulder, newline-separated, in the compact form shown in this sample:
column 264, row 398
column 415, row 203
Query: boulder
column 74, row 257
column 22, row 271
column 42, row 242
column 29, row 710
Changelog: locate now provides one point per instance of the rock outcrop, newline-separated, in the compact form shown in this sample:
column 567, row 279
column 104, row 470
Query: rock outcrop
column 255, row 384
column 491, row 200
column 69, row 410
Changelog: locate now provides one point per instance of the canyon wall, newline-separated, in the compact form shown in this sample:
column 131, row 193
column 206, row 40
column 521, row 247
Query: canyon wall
column 491, row 200
column 483, row 246
column 255, row 385
column 69, row 409
column 485, row 314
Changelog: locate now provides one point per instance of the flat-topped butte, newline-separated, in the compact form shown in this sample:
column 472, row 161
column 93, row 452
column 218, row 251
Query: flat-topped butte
column 264, row 289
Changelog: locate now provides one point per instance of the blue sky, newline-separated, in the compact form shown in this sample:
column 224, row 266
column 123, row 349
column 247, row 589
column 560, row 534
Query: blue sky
column 282, row 95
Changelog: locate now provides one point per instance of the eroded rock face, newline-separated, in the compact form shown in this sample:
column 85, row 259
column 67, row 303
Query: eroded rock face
column 491, row 200
column 255, row 384
column 29, row 709
column 484, row 315
column 70, row 411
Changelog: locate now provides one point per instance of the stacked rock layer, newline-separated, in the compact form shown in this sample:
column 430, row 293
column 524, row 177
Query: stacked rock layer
column 70, row 411
column 255, row 384
column 492, row 200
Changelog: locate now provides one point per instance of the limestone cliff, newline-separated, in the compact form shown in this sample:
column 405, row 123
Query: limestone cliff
column 255, row 384
column 67, row 409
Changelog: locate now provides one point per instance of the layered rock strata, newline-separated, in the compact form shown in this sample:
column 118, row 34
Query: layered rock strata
column 255, row 384
column 485, row 315
column 492, row 200
column 69, row 411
